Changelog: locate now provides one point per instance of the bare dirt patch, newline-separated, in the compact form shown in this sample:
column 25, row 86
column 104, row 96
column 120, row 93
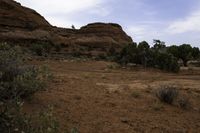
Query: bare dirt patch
column 95, row 99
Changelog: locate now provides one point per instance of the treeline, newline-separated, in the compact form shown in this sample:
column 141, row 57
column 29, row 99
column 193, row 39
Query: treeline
column 158, row 56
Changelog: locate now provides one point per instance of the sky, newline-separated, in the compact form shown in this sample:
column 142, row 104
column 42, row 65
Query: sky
column 172, row 21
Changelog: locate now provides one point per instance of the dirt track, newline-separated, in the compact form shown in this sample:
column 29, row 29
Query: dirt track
column 95, row 99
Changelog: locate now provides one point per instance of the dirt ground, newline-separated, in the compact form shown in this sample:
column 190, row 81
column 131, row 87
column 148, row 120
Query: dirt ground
column 96, row 98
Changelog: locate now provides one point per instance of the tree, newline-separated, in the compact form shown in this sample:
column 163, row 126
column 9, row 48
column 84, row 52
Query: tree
column 143, row 46
column 158, row 44
column 129, row 54
column 167, row 62
column 185, row 53
column 174, row 50
column 73, row 27
column 195, row 53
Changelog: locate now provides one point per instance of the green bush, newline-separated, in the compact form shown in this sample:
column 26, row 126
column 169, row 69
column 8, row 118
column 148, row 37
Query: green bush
column 41, row 49
column 167, row 62
column 129, row 54
column 13, row 120
column 184, row 102
column 18, row 80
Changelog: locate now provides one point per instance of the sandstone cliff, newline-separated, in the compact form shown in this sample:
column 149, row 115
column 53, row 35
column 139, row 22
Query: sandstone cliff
column 24, row 25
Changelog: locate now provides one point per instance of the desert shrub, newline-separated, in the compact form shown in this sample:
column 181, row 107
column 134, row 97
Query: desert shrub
column 101, row 56
column 58, row 48
column 13, row 120
column 113, row 66
column 135, row 94
column 37, row 49
column 184, row 102
column 41, row 49
column 167, row 94
column 76, row 53
column 18, row 80
column 74, row 130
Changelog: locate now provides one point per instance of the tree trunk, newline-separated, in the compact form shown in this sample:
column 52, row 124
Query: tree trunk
column 185, row 63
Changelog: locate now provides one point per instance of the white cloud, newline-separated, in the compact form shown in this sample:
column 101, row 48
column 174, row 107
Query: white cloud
column 137, row 31
column 144, row 32
column 60, row 6
column 62, row 22
column 188, row 24
column 101, row 11
column 63, row 12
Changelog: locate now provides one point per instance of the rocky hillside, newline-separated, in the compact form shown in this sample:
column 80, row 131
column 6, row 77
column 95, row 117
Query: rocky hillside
column 15, row 16
column 24, row 25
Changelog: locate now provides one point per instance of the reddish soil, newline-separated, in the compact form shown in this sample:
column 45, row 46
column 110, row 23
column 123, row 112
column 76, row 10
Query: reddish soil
column 95, row 99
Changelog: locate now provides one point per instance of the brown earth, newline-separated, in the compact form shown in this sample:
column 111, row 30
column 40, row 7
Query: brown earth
column 20, row 24
column 97, row 99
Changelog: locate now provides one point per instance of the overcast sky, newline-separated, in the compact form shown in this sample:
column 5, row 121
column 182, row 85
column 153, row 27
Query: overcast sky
column 172, row 21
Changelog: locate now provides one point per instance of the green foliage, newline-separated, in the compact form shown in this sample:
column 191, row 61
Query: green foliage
column 129, row 54
column 13, row 120
column 148, row 57
column 167, row 94
column 174, row 50
column 185, row 51
column 158, row 45
column 167, row 62
column 18, row 80
column 143, row 46
column 195, row 53
column 74, row 130
column 58, row 48
column 41, row 49
column 73, row 27
column 101, row 56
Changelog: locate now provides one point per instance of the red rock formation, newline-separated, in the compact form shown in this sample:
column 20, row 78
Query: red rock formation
column 13, row 15
column 21, row 24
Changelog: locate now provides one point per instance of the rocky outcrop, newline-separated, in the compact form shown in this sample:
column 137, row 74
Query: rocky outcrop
column 24, row 25
column 18, row 23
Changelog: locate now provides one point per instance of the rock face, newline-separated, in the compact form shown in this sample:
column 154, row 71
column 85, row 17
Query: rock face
column 24, row 25
column 15, row 16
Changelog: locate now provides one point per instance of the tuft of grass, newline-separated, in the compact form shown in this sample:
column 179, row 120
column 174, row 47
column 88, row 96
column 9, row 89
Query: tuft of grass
column 103, row 76
column 113, row 66
column 184, row 103
column 167, row 93
column 157, row 106
column 86, row 75
column 135, row 94
column 74, row 130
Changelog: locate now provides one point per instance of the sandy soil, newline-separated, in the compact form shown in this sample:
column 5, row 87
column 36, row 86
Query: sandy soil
column 95, row 99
